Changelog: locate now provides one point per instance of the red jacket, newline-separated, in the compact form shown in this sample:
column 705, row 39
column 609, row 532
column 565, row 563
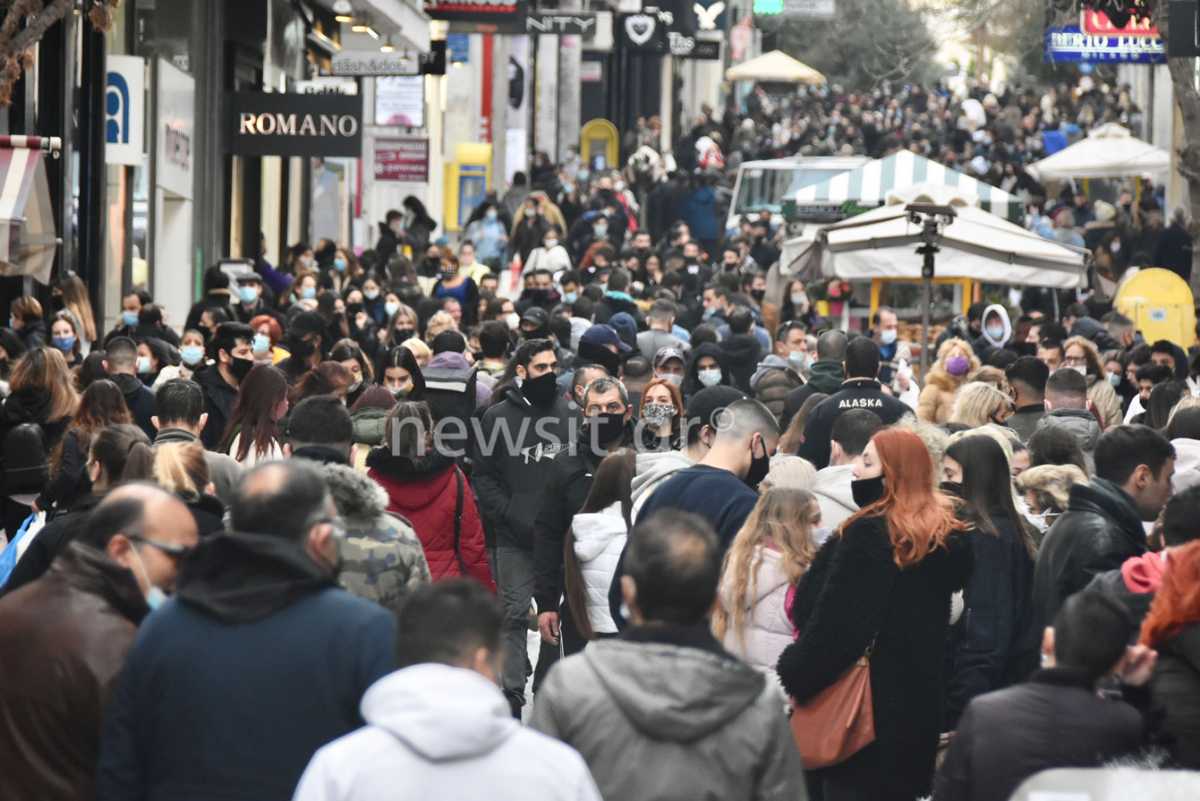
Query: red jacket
column 427, row 498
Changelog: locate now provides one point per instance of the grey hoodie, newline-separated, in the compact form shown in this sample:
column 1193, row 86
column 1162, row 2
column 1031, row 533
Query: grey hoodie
column 650, row 470
column 1081, row 424
column 772, row 362
column 834, row 496
column 659, row 721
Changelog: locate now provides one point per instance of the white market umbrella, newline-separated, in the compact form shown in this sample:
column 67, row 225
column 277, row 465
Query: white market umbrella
column 1109, row 151
column 977, row 245
column 774, row 67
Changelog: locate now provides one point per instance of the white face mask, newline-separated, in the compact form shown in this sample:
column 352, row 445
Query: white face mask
column 710, row 377
column 799, row 360
column 674, row 379
column 1079, row 369
column 800, row 300
column 514, row 321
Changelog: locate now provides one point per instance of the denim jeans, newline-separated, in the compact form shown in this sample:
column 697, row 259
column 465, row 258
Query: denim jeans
column 514, row 579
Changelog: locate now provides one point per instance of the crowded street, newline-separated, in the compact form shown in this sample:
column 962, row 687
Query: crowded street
column 499, row 400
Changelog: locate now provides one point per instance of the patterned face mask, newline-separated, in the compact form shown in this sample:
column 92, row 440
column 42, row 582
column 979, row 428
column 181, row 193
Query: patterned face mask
column 658, row 413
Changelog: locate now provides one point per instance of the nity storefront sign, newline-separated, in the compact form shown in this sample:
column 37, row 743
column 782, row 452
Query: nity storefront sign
column 277, row 124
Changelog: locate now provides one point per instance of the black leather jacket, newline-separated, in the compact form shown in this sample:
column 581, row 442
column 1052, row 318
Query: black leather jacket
column 1099, row 531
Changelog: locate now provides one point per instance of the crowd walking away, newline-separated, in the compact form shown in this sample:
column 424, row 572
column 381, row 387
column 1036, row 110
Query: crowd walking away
column 597, row 498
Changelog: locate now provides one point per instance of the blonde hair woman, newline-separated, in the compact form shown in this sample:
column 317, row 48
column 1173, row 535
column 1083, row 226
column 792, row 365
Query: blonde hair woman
column 439, row 323
column 181, row 468
column 765, row 562
column 1047, row 491
column 980, row 404
column 75, row 300
column 1080, row 353
column 956, row 361
column 420, row 351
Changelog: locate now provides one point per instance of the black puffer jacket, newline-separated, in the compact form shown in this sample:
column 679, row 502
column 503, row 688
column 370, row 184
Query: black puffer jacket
column 1056, row 720
column 742, row 352
column 994, row 644
column 1099, row 531
column 825, row 377
column 1176, row 689
column 510, row 482
column 854, row 593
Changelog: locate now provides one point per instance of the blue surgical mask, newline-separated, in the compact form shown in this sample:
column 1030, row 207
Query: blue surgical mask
column 570, row 297
column 155, row 597
column 308, row 292
column 65, row 344
column 129, row 318
column 261, row 343
column 248, row 294
column 339, row 265
column 887, row 336
column 1114, row 379
column 192, row 354
column 143, row 365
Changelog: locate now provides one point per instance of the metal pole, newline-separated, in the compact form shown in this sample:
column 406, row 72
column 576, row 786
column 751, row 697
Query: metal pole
column 925, row 324
column 928, row 249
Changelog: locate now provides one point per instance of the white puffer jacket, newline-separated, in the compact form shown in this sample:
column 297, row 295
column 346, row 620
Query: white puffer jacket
column 599, row 539
column 766, row 630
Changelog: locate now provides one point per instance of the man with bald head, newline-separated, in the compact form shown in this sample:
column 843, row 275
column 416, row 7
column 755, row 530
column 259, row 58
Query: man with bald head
column 82, row 613
column 258, row 661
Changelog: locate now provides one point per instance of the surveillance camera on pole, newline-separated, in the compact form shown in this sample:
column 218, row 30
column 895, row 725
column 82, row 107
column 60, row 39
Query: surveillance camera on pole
column 931, row 217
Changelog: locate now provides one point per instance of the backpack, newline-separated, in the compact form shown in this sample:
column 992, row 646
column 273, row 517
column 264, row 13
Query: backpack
column 23, row 454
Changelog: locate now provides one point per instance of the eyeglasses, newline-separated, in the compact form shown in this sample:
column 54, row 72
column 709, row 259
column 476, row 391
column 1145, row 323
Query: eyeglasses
column 176, row 552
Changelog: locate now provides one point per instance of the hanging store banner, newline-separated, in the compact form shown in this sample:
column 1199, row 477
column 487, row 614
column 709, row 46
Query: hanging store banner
column 489, row 12
column 567, row 23
column 693, row 47
column 400, row 101
column 125, row 110
column 643, row 33
column 373, row 62
column 278, row 124
column 1070, row 43
column 402, row 160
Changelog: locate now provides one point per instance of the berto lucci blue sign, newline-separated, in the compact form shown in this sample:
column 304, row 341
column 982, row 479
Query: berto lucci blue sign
column 1069, row 43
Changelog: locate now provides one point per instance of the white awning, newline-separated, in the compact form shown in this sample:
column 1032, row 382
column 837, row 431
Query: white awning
column 1109, row 151
column 28, row 240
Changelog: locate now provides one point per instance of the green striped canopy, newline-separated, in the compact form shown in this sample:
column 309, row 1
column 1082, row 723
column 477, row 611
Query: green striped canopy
column 869, row 185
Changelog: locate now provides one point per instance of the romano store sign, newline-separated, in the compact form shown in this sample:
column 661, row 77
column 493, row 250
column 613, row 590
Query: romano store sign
column 276, row 124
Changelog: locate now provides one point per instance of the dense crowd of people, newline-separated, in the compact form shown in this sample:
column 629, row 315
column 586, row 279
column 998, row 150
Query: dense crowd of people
column 299, row 546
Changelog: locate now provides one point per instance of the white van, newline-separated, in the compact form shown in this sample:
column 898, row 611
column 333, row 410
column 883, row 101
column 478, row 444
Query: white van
column 764, row 185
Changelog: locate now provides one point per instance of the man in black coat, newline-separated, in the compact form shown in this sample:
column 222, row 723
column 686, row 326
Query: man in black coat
column 607, row 415
column 617, row 299
column 1102, row 526
column 390, row 230
column 120, row 356
column 825, row 376
column 860, row 390
column 520, row 435
column 1057, row 719
column 230, row 351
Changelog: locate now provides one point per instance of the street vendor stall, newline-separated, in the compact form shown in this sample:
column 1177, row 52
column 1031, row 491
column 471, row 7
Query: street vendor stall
column 1109, row 151
column 880, row 246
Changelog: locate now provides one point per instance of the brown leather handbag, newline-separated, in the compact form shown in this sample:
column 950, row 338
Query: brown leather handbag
column 839, row 721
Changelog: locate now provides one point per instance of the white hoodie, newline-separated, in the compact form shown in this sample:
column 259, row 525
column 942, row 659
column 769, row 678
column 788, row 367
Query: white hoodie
column 435, row 731
column 599, row 539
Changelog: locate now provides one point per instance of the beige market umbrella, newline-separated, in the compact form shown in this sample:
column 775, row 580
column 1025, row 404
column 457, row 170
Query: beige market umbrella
column 774, row 67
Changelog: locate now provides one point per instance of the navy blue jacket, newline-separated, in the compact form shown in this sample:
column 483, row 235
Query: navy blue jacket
column 207, row 709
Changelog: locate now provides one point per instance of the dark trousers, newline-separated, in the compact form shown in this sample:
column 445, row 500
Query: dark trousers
column 571, row 643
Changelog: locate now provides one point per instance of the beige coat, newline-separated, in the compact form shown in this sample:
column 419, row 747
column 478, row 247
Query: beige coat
column 937, row 398
column 1106, row 400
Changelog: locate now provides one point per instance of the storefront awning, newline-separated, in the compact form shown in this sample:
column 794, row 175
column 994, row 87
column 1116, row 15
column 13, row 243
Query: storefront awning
column 28, row 240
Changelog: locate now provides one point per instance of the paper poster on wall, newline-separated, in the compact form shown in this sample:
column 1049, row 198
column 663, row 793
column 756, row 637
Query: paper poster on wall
column 400, row 101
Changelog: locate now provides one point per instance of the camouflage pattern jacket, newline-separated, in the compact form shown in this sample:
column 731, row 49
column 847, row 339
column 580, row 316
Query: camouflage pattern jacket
column 382, row 559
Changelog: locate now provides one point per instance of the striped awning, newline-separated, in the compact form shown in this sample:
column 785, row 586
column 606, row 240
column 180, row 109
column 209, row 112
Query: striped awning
column 28, row 240
column 869, row 185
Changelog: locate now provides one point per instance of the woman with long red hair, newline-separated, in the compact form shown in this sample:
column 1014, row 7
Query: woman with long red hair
column 882, row 587
column 1173, row 629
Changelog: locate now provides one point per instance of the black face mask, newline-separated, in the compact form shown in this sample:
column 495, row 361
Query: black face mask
column 759, row 467
column 540, row 391
column 605, row 428
column 1024, row 348
column 758, row 294
column 867, row 491
column 240, row 368
column 952, row 488
column 401, row 334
